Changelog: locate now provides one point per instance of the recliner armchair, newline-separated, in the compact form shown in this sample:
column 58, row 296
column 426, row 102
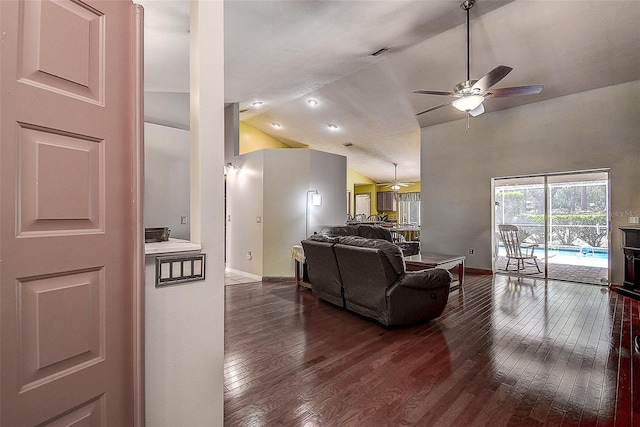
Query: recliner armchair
column 322, row 268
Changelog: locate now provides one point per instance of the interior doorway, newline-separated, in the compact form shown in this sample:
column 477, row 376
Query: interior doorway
column 564, row 217
column 363, row 205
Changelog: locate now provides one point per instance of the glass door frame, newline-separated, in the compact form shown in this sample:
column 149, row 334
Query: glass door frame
column 547, row 212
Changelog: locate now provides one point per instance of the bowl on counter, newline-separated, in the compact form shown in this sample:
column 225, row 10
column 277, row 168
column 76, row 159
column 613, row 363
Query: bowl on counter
column 156, row 234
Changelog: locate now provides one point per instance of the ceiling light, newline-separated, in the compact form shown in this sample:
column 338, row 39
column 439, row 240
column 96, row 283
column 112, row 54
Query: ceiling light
column 276, row 125
column 333, row 127
column 468, row 102
column 395, row 187
column 257, row 103
column 312, row 102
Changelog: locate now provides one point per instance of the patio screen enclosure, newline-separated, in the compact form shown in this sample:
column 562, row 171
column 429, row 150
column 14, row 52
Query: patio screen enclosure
column 567, row 215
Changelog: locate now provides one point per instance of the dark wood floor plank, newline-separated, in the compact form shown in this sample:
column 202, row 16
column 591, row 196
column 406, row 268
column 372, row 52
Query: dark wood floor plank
column 505, row 352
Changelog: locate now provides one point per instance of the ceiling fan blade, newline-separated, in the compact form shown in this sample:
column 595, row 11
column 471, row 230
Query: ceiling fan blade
column 477, row 111
column 492, row 77
column 513, row 91
column 434, row 108
column 434, row 92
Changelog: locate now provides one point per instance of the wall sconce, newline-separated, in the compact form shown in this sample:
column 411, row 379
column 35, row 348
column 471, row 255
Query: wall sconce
column 230, row 167
column 316, row 200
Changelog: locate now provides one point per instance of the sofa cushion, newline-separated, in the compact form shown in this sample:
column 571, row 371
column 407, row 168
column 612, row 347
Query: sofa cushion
column 363, row 230
column 366, row 275
column 340, row 230
column 391, row 252
column 374, row 232
column 322, row 238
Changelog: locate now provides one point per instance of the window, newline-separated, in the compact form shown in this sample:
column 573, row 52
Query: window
column 409, row 208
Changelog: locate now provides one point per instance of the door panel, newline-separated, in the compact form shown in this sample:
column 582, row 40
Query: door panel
column 66, row 213
column 363, row 204
column 578, row 220
column 78, row 27
column 520, row 202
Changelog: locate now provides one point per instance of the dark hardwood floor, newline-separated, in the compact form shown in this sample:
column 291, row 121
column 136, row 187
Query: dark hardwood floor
column 504, row 353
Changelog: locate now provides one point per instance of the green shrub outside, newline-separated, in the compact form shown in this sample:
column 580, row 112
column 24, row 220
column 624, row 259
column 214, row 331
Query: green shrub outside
column 593, row 236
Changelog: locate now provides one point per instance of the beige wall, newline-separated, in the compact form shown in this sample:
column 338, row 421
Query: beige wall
column 595, row 129
column 272, row 185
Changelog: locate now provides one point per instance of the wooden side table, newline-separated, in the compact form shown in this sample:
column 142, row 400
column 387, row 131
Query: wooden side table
column 432, row 260
column 297, row 253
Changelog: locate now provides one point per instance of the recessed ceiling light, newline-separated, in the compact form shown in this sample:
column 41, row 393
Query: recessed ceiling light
column 276, row 125
column 312, row 102
column 332, row 126
column 257, row 103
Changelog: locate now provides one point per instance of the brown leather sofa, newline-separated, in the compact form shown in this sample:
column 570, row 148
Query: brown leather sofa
column 368, row 277
column 371, row 232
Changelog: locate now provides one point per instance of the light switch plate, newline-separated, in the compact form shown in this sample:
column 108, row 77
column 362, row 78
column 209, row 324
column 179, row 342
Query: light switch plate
column 173, row 270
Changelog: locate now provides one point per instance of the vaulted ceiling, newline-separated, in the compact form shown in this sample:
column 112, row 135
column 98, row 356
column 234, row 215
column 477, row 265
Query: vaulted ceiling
column 284, row 52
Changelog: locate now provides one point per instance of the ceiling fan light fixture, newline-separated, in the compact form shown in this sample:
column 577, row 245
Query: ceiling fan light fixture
column 468, row 103
column 468, row 96
column 395, row 187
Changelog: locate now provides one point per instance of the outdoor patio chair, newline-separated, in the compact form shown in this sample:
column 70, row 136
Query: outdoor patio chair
column 517, row 250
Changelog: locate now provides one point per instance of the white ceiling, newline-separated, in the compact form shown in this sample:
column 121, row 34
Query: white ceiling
column 285, row 52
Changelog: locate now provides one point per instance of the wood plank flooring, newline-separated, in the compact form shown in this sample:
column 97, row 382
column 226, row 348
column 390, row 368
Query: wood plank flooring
column 504, row 353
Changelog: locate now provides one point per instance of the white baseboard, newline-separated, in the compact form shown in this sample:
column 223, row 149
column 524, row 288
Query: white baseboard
column 244, row 274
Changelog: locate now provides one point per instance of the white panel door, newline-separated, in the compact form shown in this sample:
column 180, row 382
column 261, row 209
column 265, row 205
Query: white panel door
column 363, row 204
column 67, row 219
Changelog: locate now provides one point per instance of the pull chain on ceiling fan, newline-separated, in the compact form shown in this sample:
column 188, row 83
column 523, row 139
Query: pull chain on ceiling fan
column 468, row 96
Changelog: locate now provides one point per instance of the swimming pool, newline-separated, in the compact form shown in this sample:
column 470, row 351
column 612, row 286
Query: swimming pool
column 577, row 252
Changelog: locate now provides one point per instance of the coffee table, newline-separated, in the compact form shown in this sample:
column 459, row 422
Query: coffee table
column 425, row 260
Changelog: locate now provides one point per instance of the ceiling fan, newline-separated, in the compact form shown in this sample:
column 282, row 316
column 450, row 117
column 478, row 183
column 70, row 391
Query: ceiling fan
column 395, row 185
column 469, row 95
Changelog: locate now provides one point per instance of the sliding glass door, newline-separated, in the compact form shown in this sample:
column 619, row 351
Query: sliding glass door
column 565, row 216
column 520, row 202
